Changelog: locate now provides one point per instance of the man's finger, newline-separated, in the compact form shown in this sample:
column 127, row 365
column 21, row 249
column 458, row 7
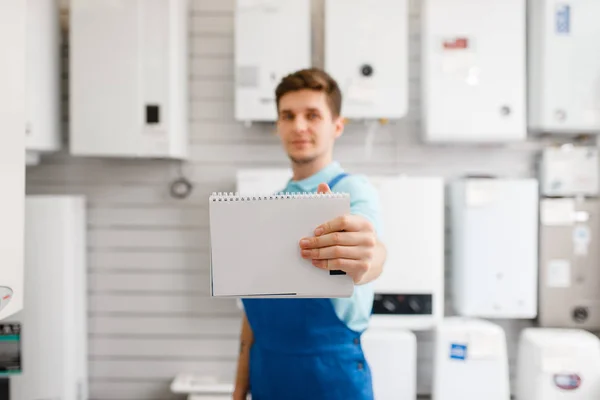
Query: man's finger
column 348, row 223
column 337, row 238
column 331, row 252
column 323, row 188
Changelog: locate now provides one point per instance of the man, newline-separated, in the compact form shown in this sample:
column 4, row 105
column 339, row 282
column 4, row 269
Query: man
column 310, row 348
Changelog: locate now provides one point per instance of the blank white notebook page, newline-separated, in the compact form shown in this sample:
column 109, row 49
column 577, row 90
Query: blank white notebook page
column 255, row 249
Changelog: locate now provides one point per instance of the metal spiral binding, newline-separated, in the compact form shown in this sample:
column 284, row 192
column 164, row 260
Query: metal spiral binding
column 224, row 196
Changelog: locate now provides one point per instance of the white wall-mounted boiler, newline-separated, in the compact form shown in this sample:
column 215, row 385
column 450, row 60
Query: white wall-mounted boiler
column 569, row 171
column 129, row 78
column 473, row 75
column 54, row 319
column 557, row 364
column 42, row 129
column 569, row 274
column 494, row 249
column 470, row 361
column 409, row 293
column 564, row 66
column 272, row 39
column 262, row 180
column 366, row 52
column 13, row 28
column 392, row 358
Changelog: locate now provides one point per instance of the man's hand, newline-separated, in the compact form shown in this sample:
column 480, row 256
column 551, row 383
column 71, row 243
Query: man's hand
column 346, row 243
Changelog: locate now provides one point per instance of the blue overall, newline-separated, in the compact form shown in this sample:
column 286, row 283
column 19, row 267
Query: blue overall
column 303, row 351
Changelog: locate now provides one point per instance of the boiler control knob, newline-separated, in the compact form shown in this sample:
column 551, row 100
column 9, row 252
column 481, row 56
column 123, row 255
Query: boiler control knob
column 389, row 305
column 415, row 305
column 366, row 70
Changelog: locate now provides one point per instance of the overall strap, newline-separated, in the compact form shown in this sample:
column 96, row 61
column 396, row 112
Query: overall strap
column 332, row 182
column 336, row 179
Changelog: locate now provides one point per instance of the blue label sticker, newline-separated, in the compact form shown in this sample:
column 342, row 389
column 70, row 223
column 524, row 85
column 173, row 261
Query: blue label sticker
column 458, row 351
column 563, row 19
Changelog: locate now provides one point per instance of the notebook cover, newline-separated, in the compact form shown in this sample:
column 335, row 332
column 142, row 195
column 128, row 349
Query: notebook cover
column 254, row 245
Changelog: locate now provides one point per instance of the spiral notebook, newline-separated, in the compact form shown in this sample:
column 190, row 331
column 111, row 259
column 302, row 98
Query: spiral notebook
column 254, row 245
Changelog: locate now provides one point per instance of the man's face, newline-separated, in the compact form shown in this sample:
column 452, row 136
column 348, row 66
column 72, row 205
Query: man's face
column 306, row 126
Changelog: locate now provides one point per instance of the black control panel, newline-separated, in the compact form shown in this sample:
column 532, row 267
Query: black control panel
column 402, row 304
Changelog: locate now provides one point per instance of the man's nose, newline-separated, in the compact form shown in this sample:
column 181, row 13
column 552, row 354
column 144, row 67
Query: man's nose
column 300, row 124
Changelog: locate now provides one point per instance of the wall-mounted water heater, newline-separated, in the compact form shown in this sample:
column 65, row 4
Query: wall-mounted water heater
column 13, row 28
column 569, row 170
column 410, row 292
column 129, row 78
column 564, row 66
column 262, row 180
column 494, row 247
column 54, row 339
column 392, row 358
column 366, row 52
column 272, row 39
column 470, row 361
column 42, row 129
column 473, row 70
column 556, row 364
column 569, row 263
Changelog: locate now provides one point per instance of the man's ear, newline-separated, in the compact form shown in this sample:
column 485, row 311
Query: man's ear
column 339, row 123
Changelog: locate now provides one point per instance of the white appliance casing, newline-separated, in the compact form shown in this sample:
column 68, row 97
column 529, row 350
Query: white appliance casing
column 366, row 52
column 568, row 171
column 202, row 387
column 13, row 25
column 564, row 66
column 495, row 247
column 470, row 361
column 54, row 319
column 473, row 72
column 262, row 180
column 413, row 233
column 264, row 32
column 392, row 358
column 550, row 358
column 43, row 126
column 128, row 63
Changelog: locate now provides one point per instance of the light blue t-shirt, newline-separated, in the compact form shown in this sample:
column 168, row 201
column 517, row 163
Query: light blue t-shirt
column 364, row 200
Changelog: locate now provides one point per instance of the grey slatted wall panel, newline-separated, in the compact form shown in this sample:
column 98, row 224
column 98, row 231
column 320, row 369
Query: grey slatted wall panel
column 150, row 316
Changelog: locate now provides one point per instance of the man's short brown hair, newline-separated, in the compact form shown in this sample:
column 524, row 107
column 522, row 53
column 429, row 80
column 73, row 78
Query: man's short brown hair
column 312, row 79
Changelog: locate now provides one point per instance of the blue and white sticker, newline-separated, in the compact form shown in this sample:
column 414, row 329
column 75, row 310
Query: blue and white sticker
column 563, row 19
column 458, row 351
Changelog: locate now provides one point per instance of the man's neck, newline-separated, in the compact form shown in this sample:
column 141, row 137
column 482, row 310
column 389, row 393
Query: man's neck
column 303, row 171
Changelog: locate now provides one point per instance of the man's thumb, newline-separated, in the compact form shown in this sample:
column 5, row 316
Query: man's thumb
column 323, row 188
